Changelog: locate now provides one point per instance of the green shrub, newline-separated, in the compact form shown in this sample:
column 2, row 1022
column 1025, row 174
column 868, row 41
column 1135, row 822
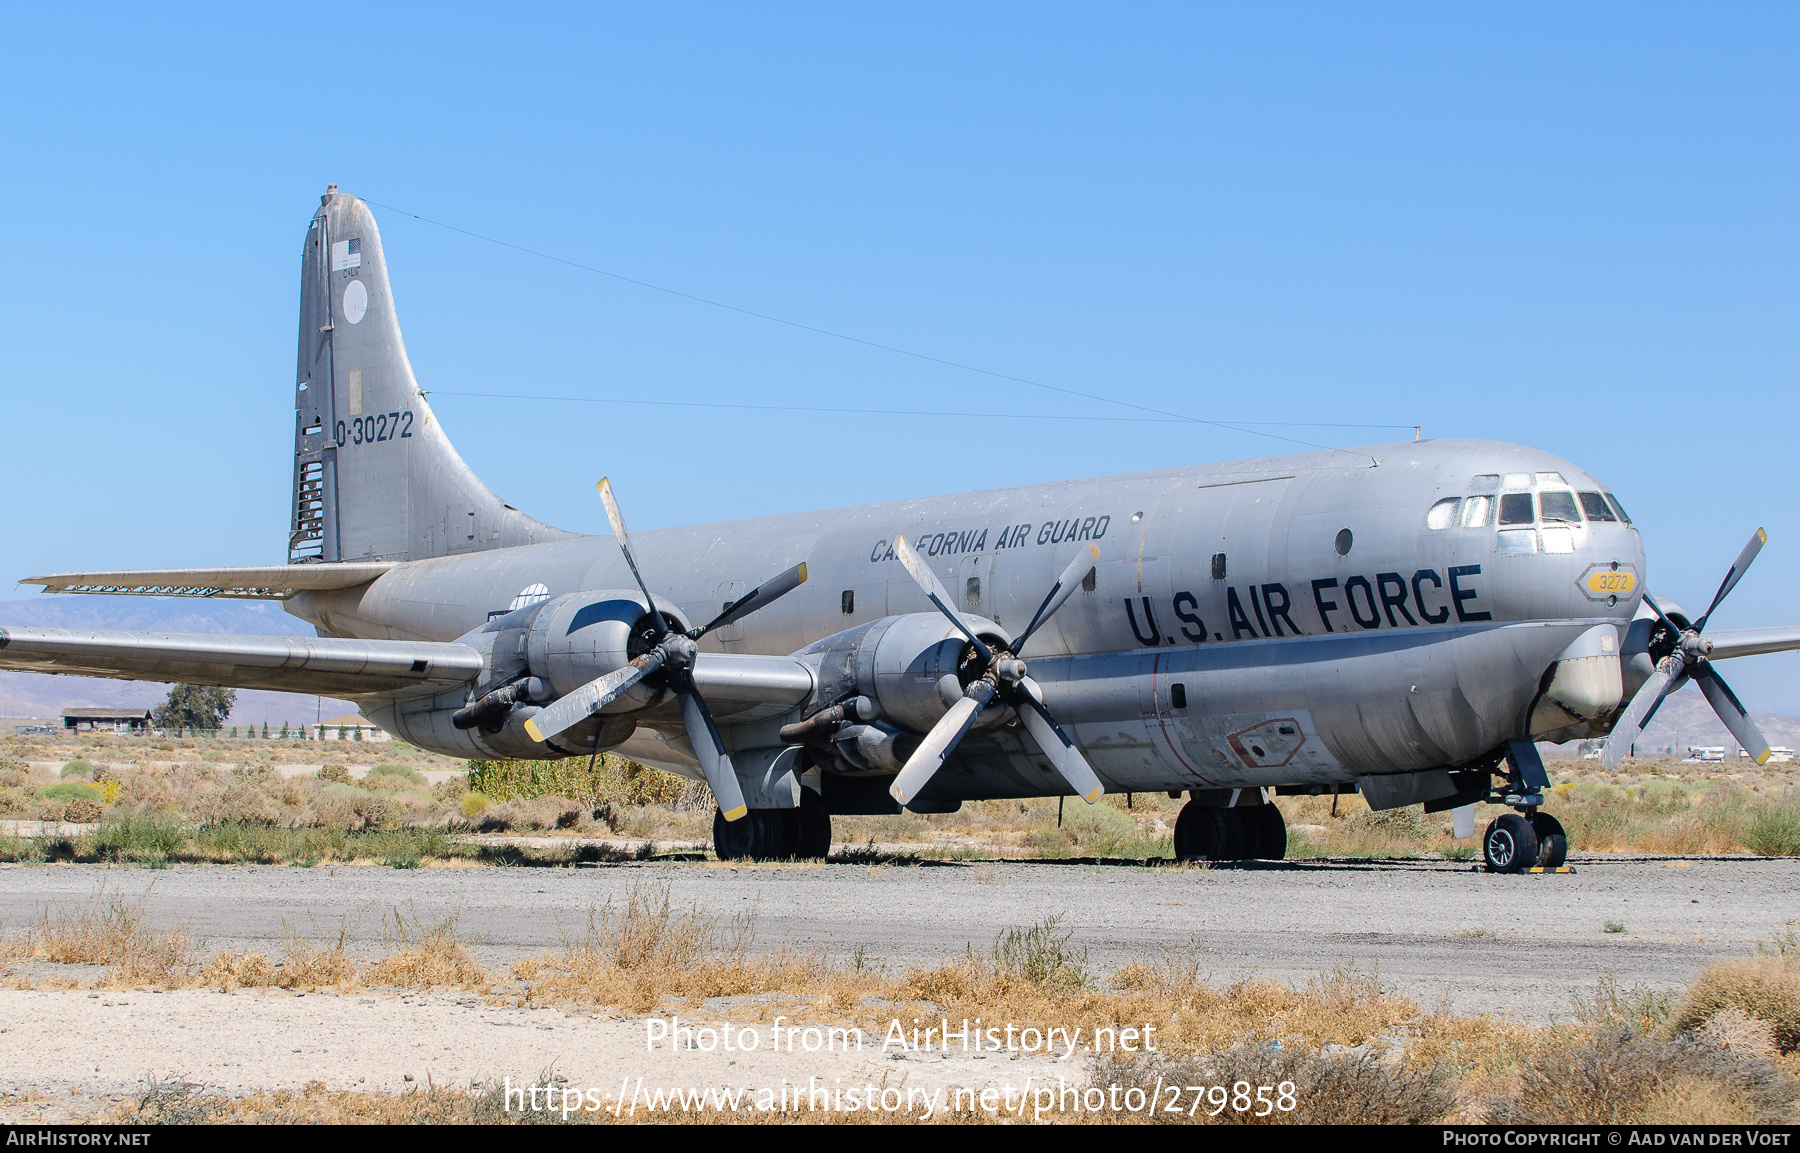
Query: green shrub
column 141, row 839
column 72, row 791
column 1775, row 831
column 611, row 779
column 1040, row 955
column 1401, row 824
column 78, row 769
column 397, row 773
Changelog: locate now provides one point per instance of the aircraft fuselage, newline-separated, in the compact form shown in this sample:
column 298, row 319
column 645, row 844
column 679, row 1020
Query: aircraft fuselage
column 1294, row 619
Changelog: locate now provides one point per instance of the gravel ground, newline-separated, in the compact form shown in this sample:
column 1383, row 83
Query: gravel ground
column 1450, row 937
column 1518, row 945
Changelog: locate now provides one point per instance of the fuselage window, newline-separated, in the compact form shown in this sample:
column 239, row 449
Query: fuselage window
column 1595, row 506
column 1477, row 511
column 1486, row 482
column 1618, row 508
column 1515, row 508
column 1516, row 541
column 1559, row 506
column 1442, row 514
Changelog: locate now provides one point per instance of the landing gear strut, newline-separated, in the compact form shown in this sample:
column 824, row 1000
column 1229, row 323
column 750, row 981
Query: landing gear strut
column 1528, row 838
column 1224, row 832
column 775, row 834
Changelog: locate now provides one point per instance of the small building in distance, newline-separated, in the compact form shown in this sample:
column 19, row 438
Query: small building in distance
column 352, row 727
column 107, row 720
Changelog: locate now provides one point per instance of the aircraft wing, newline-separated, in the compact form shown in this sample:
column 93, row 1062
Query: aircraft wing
column 256, row 582
column 323, row 665
column 1751, row 642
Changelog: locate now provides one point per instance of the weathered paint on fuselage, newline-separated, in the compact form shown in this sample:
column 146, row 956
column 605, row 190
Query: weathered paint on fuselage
column 1416, row 648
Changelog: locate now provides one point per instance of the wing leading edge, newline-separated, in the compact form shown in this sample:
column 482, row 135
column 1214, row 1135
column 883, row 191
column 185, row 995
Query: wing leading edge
column 324, row 665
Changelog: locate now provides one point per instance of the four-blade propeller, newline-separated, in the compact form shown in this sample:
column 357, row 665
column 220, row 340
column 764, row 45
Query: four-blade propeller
column 1685, row 660
column 1002, row 680
column 671, row 654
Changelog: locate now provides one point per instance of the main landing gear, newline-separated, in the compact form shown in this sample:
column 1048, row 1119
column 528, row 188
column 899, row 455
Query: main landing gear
column 1212, row 828
column 1528, row 838
column 775, row 834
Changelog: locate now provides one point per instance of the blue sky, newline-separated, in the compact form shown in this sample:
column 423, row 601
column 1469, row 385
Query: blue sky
column 1568, row 226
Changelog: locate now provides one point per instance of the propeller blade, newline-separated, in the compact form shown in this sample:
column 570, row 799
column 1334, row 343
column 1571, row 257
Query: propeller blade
column 1660, row 615
column 571, row 709
column 617, row 520
column 939, row 742
column 703, row 734
column 1732, row 577
column 1732, row 712
column 1060, row 591
column 1637, row 713
column 934, row 590
column 1058, row 747
column 756, row 598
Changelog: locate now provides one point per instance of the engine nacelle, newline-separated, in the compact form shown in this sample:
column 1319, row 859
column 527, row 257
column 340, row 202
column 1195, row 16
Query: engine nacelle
column 901, row 663
column 531, row 657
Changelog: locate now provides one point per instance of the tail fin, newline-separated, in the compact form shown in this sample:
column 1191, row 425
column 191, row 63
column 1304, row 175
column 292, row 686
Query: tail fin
column 375, row 478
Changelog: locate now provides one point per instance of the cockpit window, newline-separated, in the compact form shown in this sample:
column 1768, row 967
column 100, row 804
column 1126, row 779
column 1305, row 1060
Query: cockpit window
column 1486, row 482
column 1442, row 514
column 1559, row 506
column 1594, row 505
column 1477, row 511
column 1518, row 480
column 1515, row 508
column 1618, row 508
column 1550, row 478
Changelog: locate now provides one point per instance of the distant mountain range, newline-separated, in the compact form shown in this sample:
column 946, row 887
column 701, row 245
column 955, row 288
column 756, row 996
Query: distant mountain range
column 44, row 695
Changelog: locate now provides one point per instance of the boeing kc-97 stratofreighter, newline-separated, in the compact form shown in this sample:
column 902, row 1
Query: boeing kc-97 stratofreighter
column 1405, row 620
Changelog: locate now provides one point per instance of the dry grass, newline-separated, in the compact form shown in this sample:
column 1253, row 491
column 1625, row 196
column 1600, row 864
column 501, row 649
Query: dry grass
column 308, row 965
column 109, row 931
column 425, row 956
column 1765, row 989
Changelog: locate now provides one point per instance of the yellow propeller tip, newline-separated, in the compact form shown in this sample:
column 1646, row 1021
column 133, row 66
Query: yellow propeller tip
column 802, row 572
column 1094, row 796
column 532, row 730
column 737, row 813
column 1763, row 760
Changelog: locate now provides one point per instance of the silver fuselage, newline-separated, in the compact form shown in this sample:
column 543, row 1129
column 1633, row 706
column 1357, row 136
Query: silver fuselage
column 1414, row 647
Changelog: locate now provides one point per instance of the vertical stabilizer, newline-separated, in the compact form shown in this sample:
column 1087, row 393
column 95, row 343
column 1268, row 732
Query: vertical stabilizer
column 375, row 478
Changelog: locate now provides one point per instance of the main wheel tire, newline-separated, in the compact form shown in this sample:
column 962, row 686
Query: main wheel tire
column 815, row 826
column 1510, row 845
column 1268, row 832
column 1234, row 834
column 1553, row 843
column 759, row 835
column 733, row 840
column 1191, row 840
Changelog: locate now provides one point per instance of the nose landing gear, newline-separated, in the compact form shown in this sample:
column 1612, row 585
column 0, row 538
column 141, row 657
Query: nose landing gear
column 1528, row 838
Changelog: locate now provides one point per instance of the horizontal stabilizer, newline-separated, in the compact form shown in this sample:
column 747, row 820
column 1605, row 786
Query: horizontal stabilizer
column 253, row 582
column 324, row 665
